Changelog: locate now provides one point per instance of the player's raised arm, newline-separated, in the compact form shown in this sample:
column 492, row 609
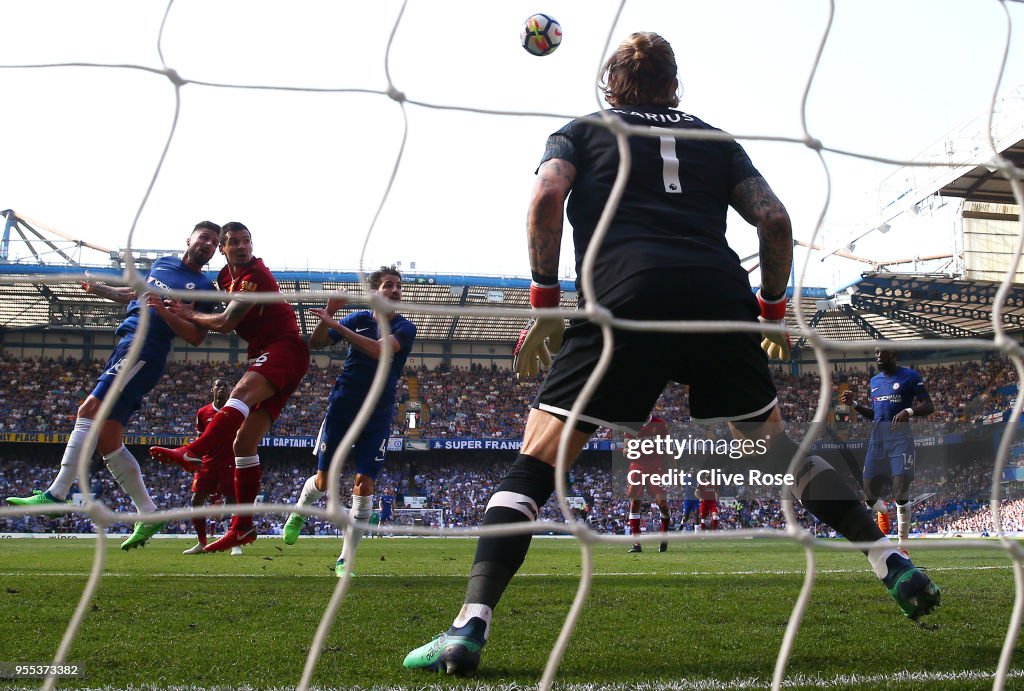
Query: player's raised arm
column 320, row 338
column 866, row 411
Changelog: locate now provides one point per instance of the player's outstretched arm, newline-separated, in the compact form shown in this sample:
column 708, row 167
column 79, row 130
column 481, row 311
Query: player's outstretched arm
column 119, row 294
column 224, row 322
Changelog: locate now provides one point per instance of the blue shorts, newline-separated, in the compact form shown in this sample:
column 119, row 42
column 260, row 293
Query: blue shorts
column 890, row 457
column 690, row 505
column 369, row 449
column 141, row 380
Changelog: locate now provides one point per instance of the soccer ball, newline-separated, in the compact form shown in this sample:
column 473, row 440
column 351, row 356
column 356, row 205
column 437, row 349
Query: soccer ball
column 541, row 35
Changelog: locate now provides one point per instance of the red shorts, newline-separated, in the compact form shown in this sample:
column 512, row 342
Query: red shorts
column 708, row 507
column 283, row 364
column 636, row 491
column 215, row 478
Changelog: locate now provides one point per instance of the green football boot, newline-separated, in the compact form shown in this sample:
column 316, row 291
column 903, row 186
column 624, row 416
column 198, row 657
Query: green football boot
column 142, row 533
column 457, row 651
column 339, row 568
column 293, row 527
column 915, row 593
column 38, row 497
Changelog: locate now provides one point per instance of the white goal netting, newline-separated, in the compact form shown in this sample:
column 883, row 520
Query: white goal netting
column 361, row 86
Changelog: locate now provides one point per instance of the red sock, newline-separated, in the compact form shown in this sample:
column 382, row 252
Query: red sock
column 219, row 434
column 200, row 526
column 714, row 524
column 634, row 526
column 247, row 486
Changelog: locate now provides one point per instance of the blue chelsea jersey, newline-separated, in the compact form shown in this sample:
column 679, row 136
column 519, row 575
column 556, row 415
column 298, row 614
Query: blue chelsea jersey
column 892, row 393
column 173, row 274
column 355, row 379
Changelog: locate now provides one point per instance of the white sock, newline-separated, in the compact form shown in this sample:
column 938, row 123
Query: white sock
column 878, row 553
column 361, row 509
column 68, row 472
column 880, row 506
column 469, row 611
column 903, row 520
column 238, row 405
column 128, row 474
column 309, row 494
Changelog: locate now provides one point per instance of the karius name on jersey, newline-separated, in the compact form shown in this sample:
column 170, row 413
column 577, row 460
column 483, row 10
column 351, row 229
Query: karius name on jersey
column 676, row 116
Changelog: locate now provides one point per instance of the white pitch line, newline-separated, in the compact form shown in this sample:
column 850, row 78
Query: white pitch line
column 796, row 681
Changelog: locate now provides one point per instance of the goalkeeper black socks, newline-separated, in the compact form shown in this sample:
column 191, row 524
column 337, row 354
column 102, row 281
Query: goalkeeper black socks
column 526, row 487
column 822, row 492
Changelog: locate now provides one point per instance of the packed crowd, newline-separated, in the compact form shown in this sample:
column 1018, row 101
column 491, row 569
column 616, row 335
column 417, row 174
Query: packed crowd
column 948, row 498
column 41, row 395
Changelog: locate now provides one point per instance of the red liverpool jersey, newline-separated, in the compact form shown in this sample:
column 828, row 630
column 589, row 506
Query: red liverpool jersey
column 204, row 416
column 264, row 323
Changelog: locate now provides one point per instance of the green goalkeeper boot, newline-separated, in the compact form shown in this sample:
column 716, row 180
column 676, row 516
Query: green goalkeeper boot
column 457, row 651
column 38, row 497
column 142, row 533
column 293, row 527
column 915, row 593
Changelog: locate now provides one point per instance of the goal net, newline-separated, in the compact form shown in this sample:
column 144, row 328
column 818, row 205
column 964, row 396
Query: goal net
column 423, row 88
column 421, row 518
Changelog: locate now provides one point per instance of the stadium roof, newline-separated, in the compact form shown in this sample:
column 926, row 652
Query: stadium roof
column 879, row 305
column 985, row 183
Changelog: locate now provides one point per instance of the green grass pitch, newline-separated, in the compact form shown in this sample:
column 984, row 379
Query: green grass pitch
column 702, row 615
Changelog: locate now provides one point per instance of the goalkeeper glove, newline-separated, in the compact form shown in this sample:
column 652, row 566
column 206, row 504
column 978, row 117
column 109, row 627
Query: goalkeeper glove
column 542, row 336
column 776, row 345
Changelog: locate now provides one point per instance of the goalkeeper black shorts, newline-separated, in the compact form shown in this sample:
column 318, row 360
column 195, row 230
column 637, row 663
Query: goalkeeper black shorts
column 727, row 372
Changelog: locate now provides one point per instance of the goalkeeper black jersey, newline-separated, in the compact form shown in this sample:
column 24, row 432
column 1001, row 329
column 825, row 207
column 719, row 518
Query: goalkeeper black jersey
column 672, row 213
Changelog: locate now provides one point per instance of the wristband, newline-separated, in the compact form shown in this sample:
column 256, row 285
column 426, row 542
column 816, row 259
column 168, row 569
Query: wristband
column 909, row 411
column 545, row 296
column 772, row 310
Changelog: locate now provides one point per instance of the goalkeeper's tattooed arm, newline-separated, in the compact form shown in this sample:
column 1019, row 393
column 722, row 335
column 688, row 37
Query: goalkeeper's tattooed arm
column 759, row 206
column 544, row 220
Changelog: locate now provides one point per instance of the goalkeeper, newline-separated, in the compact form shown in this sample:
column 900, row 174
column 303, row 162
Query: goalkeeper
column 665, row 257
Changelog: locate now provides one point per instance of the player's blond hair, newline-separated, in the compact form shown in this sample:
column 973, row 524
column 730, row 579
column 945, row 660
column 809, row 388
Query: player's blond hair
column 641, row 71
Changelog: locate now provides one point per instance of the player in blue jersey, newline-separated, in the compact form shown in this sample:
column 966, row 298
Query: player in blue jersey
column 361, row 331
column 169, row 273
column 897, row 394
column 386, row 506
column 664, row 258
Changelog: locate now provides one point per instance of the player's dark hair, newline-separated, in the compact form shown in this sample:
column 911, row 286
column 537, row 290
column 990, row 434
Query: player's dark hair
column 231, row 227
column 377, row 276
column 642, row 71
column 207, row 225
